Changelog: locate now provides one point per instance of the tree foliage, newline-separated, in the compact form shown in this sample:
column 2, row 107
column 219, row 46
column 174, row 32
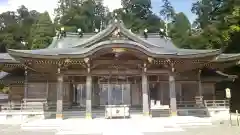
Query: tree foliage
column 216, row 25
column 86, row 15
column 217, row 21
column 16, row 28
column 167, row 11
column 180, row 30
column 137, row 16
column 42, row 32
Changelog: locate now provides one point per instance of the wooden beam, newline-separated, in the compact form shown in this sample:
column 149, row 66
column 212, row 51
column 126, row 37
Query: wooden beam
column 102, row 72
column 117, row 62
column 157, row 71
column 111, row 71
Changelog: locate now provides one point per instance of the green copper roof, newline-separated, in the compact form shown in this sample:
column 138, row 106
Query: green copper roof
column 6, row 58
column 84, row 52
column 72, row 46
column 228, row 57
column 75, row 47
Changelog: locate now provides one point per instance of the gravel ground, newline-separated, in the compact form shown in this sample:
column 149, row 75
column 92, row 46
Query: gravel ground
column 217, row 129
column 16, row 130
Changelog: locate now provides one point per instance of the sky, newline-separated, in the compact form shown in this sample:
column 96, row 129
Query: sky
column 179, row 5
column 49, row 5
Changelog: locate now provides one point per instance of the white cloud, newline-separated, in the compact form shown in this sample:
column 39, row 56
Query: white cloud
column 48, row 5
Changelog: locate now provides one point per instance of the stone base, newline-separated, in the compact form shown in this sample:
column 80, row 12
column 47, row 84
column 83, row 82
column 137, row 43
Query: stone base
column 173, row 113
column 145, row 113
column 59, row 116
column 88, row 116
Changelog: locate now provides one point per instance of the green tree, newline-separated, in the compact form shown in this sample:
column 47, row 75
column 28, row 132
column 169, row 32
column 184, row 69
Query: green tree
column 86, row 15
column 217, row 20
column 140, row 8
column 167, row 11
column 137, row 16
column 15, row 28
column 180, row 31
column 42, row 32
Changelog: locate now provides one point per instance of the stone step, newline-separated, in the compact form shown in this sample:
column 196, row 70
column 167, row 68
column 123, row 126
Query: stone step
column 194, row 124
column 117, row 127
column 42, row 124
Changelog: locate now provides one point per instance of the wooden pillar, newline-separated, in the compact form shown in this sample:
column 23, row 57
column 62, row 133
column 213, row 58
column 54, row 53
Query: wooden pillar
column 162, row 93
column 88, row 91
column 145, row 95
column 47, row 89
column 199, row 97
column 59, row 111
column 89, row 97
column 26, row 84
column 172, row 90
column 180, row 91
column 199, row 83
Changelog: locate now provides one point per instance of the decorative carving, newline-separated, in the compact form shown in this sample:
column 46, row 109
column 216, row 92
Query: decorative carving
column 150, row 59
column 116, row 33
column 145, row 67
column 118, row 50
column 26, row 72
column 88, row 68
column 238, row 63
column 59, row 71
column 200, row 71
column 60, row 79
column 67, row 61
column 86, row 60
column 172, row 66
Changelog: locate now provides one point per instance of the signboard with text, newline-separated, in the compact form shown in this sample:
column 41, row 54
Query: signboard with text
column 228, row 93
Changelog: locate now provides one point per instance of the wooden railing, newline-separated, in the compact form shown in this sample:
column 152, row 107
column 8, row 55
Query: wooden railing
column 188, row 104
column 30, row 106
column 216, row 103
column 51, row 106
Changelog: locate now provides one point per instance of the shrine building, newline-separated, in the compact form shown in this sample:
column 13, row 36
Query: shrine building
column 115, row 66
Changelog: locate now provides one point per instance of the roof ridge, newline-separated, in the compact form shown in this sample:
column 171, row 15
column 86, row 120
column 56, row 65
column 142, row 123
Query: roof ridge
column 54, row 43
column 98, row 36
column 106, row 32
column 135, row 37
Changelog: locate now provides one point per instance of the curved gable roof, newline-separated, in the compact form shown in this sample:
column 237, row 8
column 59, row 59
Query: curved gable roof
column 74, row 46
column 84, row 52
column 88, row 39
column 109, row 30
